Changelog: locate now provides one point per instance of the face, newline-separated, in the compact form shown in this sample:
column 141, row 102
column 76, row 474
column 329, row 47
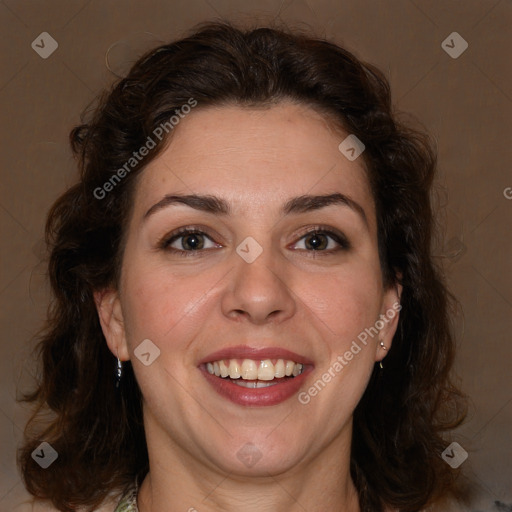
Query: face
column 279, row 262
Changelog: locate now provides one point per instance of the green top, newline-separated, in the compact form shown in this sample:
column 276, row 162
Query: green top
column 128, row 502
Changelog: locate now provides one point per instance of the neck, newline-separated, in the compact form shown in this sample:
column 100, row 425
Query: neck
column 271, row 494
column 178, row 482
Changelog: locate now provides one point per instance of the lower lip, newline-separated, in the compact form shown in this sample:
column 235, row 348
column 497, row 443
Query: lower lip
column 271, row 395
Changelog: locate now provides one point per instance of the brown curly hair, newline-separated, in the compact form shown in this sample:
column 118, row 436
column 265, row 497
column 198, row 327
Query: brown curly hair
column 97, row 430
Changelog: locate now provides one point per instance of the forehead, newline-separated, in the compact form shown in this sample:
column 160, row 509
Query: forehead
column 254, row 157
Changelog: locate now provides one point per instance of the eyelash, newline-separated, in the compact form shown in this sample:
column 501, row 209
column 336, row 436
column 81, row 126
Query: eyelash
column 167, row 240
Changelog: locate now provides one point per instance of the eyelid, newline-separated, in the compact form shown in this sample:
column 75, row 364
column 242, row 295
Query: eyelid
column 169, row 238
column 165, row 242
column 334, row 233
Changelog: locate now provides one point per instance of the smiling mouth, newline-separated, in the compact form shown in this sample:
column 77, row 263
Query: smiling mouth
column 250, row 373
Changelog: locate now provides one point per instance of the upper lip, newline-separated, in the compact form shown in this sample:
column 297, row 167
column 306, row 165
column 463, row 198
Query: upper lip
column 257, row 354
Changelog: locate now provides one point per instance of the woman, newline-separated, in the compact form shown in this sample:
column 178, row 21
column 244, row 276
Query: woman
column 246, row 313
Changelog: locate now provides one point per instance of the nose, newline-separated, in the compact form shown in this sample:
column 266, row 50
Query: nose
column 259, row 292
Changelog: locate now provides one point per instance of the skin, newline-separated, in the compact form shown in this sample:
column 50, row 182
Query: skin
column 314, row 303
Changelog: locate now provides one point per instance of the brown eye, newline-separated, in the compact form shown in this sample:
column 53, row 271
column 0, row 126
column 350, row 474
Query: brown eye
column 323, row 241
column 188, row 241
column 316, row 241
column 192, row 241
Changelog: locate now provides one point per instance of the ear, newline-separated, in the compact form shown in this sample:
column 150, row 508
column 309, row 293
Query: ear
column 110, row 314
column 388, row 320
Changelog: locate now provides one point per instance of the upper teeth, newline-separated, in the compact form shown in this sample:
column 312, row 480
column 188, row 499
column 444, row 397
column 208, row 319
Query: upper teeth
column 252, row 370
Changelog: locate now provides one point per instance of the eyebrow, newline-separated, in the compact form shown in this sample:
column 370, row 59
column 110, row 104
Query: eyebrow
column 218, row 206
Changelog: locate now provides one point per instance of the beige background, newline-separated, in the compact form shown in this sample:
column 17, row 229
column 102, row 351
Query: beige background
column 466, row 103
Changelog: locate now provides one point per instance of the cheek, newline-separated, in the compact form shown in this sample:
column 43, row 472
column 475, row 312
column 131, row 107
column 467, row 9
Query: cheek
column 163, row 306
column 345, row 302
column 342, row 305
